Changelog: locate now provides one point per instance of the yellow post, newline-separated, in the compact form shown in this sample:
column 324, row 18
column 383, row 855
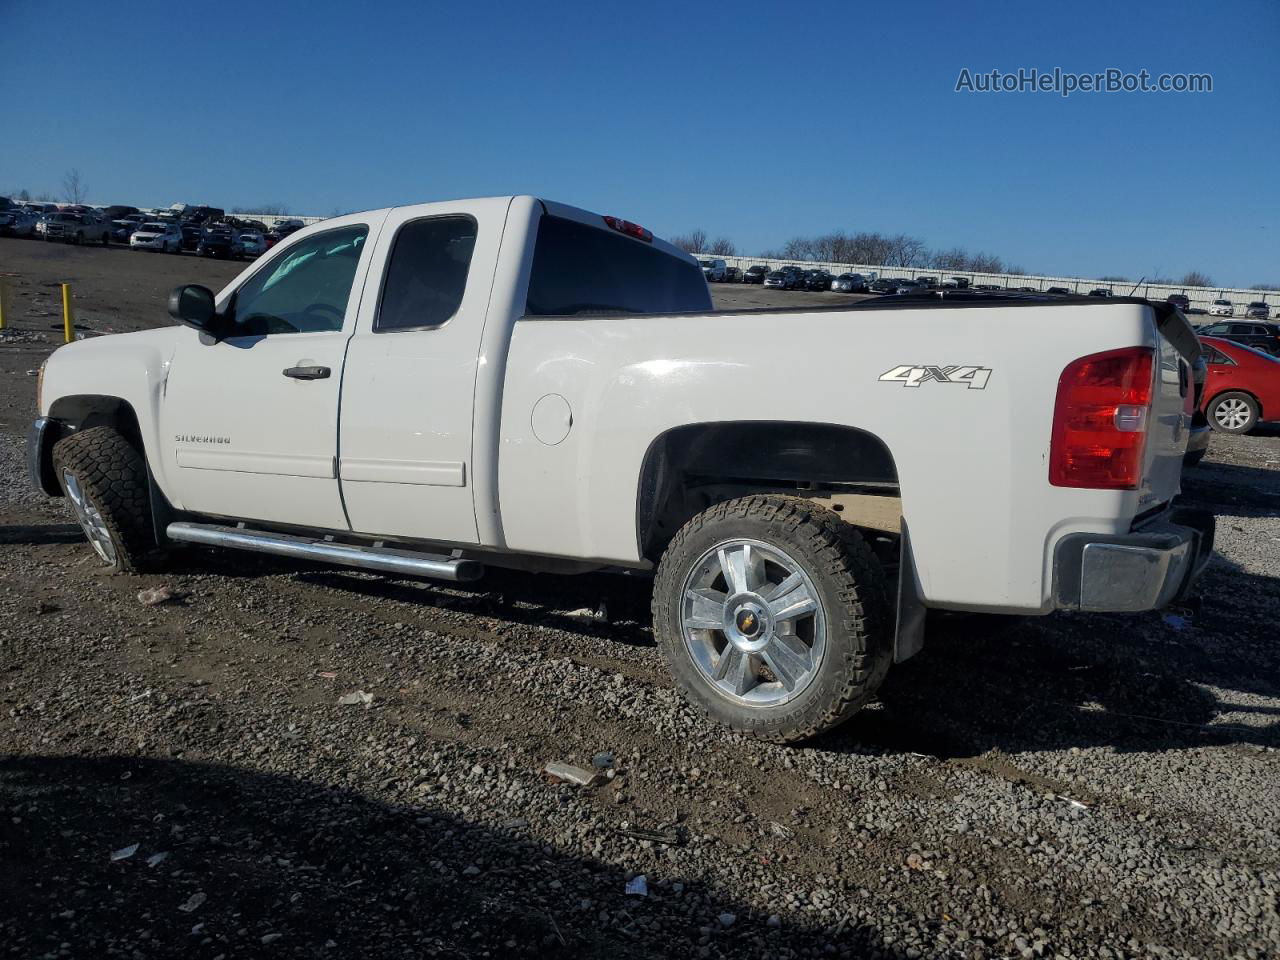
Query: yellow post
column 4, row 302
column 68, row 325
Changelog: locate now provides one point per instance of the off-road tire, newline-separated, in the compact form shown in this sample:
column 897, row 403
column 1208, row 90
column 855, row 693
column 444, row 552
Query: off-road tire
column 852, row 588
column 112, row 474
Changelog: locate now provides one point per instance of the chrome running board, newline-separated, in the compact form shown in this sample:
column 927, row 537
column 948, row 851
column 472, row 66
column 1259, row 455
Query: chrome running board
column 328, row 551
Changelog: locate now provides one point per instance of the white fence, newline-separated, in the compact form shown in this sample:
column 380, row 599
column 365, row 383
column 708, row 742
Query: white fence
column 1200, row 297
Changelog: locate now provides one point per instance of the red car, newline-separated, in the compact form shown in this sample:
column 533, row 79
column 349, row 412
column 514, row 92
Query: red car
column 1242, row 386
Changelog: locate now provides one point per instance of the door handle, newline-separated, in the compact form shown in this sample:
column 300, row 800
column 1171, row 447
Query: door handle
column 308, row 373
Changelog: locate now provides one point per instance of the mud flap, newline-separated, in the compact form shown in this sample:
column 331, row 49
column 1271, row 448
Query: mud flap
column 908, row 637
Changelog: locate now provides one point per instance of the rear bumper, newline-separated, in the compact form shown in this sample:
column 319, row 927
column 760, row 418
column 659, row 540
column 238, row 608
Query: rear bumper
column 1147, row 569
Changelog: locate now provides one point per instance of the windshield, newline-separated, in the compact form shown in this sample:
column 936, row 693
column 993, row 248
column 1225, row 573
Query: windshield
column 1222, row 303
column 152, row 228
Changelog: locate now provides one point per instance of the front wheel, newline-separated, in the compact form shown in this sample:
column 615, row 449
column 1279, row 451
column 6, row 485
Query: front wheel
column 1233, row 412
column 105, row 481
column 773, row 616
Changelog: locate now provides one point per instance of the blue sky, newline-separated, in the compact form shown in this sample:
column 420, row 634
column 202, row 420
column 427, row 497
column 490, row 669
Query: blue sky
column 754, row 120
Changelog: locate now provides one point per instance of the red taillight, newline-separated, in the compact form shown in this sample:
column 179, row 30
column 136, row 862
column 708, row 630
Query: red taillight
column 630, row 229
column 1100, row 420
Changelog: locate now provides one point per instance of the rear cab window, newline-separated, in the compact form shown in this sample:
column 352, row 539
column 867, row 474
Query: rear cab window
column 580, row 270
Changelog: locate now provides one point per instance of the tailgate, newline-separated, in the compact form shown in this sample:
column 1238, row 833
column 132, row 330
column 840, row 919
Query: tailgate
column 1179, row 378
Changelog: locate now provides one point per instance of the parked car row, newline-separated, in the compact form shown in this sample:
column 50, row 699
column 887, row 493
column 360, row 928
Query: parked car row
column 203, row 230
column 1260, row 336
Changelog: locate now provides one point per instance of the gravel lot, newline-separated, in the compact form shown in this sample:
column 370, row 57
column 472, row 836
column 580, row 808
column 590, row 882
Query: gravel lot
column 1076, row 786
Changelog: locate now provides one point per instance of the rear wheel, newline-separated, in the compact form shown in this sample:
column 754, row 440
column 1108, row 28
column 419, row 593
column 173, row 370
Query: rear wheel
column 1233, row 412
column 773, row 616
column 105, row 482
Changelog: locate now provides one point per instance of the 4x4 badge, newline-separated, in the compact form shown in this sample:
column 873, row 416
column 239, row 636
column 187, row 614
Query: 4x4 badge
column 975, row 378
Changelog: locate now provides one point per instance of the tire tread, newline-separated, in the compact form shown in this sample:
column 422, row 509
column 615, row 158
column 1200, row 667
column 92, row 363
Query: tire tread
column 113, row 474
column 862, row 616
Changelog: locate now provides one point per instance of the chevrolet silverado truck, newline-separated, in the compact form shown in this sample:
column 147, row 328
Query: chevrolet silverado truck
column 429, row 390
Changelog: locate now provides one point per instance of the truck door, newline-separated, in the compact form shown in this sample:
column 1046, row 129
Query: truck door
column 253, row 419
column 405, row 443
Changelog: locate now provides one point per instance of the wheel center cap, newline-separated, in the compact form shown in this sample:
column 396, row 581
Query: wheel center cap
column 747, row 623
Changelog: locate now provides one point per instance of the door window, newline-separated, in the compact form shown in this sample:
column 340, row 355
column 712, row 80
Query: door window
column 305, row 290
column 426, row 273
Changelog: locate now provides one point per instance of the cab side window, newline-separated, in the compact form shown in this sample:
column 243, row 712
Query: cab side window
column 305, row 290
column 426, row 274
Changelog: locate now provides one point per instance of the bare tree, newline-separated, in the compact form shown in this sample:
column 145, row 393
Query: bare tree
column 695, row 241
column 957, row 258
column 1115, row 279
column 1265, row 286
column 723, row 247
column 986, row 263
column 905, row 251
column 798, row 248
column 73, row 186
column 1194, row 278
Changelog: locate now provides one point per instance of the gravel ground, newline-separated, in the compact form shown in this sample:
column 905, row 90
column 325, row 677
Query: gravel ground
column 1076, row 786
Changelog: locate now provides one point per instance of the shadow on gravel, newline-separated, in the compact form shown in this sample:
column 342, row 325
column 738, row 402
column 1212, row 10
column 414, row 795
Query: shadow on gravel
column 1149, row 682
column 254, row 864
column 35, row 534
column 525, row 598
column 1233, row 485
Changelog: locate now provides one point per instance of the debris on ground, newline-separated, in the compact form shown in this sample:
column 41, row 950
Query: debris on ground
column 154, row 596
column 603, row 760
column 124, row 853
column 652, row 836
column 569, row 773
column 355, row 697
column 193, row 902
column 637, row 886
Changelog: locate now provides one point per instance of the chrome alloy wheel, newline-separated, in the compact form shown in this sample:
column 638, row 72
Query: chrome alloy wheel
column 1232, row 413
column 95, row 528
column 753, row 623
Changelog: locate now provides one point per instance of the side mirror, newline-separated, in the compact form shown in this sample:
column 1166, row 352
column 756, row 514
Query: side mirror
column 193, row 305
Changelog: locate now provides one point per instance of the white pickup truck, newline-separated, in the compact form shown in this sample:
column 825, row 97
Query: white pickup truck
column 427, row 390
